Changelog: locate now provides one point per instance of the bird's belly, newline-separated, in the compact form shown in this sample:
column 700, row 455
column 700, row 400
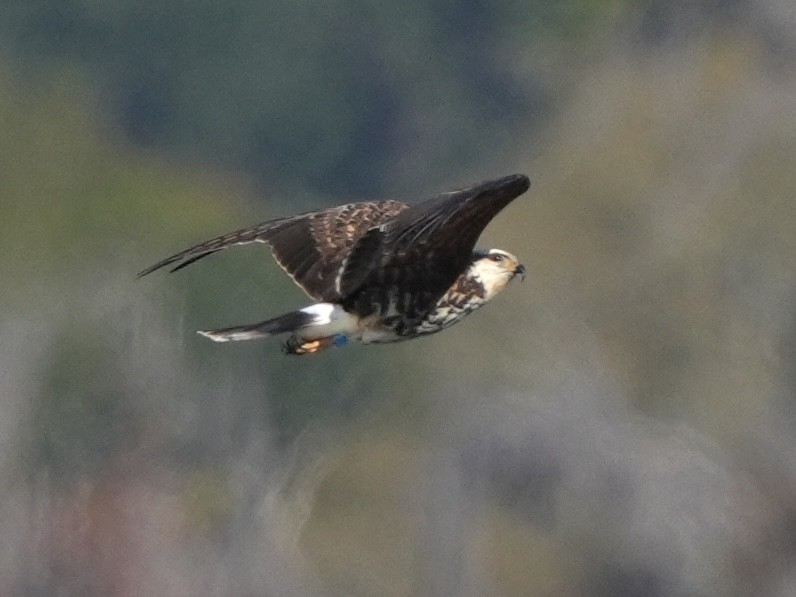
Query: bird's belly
column 390, row 324
column 376, row 329
column 380, row 336
column 338, row 322
column 451, row 309
column 368, row 330
column 441, row 318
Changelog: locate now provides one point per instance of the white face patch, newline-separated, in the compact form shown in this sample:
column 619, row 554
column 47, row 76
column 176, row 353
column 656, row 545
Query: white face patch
column 495, row 273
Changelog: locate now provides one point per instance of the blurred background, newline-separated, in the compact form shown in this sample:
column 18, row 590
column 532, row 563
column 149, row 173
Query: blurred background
column 620, row 424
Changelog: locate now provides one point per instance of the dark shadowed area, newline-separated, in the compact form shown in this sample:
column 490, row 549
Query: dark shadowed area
column 622, row 423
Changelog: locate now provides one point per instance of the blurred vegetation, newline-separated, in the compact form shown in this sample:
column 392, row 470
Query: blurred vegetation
column 620, row 424
column 332, row 95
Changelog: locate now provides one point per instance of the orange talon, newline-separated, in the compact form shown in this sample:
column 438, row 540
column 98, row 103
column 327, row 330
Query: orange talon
column 307, row 347
column 292, row 346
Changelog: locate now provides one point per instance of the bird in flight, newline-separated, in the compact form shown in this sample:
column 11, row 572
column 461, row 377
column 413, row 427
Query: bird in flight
column 381, row 271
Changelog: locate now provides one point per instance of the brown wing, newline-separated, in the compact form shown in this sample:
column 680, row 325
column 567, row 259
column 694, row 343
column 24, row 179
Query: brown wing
column 312, row 248
column 423, row 249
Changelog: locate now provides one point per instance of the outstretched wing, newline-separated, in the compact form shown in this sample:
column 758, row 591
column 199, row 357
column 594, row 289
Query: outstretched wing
column 421, row 251
column 312, row 247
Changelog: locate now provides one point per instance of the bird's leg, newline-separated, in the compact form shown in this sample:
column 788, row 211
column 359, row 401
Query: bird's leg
column 295, row 346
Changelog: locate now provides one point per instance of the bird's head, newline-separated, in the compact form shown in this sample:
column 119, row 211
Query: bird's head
column 495, row 268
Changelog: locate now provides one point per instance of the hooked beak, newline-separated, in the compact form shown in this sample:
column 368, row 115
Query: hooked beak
column 520, row 270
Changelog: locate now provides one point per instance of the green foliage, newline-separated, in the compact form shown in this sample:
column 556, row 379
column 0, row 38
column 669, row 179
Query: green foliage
column 330, row 94
column 73, row 195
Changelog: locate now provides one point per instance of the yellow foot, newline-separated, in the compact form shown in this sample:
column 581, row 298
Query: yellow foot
column 293, row 347
column 309, row 347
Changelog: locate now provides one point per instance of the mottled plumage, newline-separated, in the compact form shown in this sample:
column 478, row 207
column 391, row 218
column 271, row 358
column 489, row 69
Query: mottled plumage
column 382, row 270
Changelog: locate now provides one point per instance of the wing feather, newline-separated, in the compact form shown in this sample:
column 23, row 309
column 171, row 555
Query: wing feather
column 426, row 247
column 357, row 252
column 311, row 247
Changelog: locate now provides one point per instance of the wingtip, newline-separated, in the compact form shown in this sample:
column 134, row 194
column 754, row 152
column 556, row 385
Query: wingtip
column 513, row 185
column 214, row 336
column 146, row 271
column 155, row 267
column 520, row 181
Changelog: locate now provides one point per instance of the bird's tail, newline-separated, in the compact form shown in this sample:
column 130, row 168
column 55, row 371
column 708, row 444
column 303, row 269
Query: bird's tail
column 319, row 314
column 278, row 325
